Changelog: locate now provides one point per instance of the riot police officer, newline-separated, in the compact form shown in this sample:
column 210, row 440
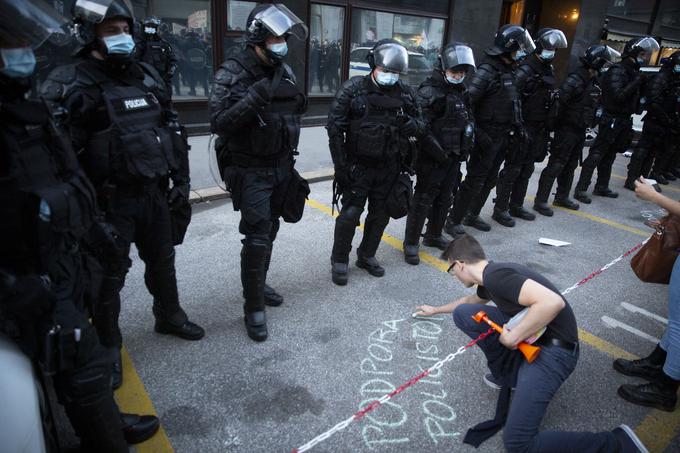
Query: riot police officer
column 535, row 81
column 370, row 126
column 578, row 99
column 255, row 108
column 156, row 51
column 130, row 145
column 446, row 111
column 47, row 205
column 621, row 86
column 661, row 126
column 499, row 130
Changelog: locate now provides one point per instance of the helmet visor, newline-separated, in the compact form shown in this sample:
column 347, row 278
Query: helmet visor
column 392, row 56
column 526, row 43
column 91, row 10
column 280, row 21
column 457, row 56
column 554, row 39
column 25, row 23
column 611, row 55
column 648, row 46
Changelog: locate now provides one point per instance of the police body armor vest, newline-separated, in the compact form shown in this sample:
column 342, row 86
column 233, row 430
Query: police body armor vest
column 136, row 146
column 374, row 135
column 276, row 133
column 155, row 55
column 449, row 127
column 497, row 106
column 580, row 112
column 612, row 106
column 45, row 199
column 669, row 101
column 537, row 104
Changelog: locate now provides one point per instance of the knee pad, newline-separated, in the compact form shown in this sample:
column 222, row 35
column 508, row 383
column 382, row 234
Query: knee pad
column 350, row 215
column 90, row 378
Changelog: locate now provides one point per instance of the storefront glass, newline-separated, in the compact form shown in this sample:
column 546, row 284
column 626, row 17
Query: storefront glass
column 423, row 37
column 325, row 49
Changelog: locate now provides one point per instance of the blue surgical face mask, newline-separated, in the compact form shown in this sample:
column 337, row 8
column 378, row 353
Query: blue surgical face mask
column 280, row 49
column 122, row 44
column 676, row 68
column 386, row 78
column 150, row 30
column 19, row 62
column 453, row 80
column 640, row 61
column 547, row 54
column 519, row 55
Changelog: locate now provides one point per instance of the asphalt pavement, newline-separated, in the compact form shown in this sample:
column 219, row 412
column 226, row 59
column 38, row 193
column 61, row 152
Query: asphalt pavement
column 332, row 350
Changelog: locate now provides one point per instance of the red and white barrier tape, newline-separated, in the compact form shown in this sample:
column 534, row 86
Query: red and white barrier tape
column 357, row 416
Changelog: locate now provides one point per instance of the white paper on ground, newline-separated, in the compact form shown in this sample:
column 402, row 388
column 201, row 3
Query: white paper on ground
column 553, row 242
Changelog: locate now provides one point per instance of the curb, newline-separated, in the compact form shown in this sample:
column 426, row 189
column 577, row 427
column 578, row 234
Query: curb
column 217, row 193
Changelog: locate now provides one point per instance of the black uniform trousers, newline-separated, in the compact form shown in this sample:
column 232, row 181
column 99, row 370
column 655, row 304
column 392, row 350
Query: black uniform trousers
column 140, row 214
column 654, row 149
column 513, row 180
column 259, row 193
column 486, row 159
column 614, row 136
column 565, row 154
column 436, row 186
column 372, row 184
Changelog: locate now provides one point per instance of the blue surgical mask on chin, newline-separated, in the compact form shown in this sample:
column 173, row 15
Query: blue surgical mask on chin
column 453, row 80
column 676, row 69
column 386, row 78
column 547, row 54
column 18, row 63
column 640, row 61
column 121, row 45
column 519, row 55
column 280, row 49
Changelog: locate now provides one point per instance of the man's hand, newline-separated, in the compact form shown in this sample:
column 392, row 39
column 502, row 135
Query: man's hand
column 262, row 89
column 507, row 338
column 644, row 190
column 342, row 177
column 426, row 310
column 179, row 194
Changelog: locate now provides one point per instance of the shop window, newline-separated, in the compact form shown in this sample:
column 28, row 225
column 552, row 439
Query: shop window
column 237, row 14
column 422, row 36
column 634, row 10
column 325, row 49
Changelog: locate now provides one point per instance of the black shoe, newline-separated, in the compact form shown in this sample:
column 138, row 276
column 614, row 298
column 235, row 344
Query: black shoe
column 669, row 176
column 543, row 208
column 138, row 428
column 658, row 178
column 438, row 242
column 476, row 222
column 653, row 394
column 371, row 265
column 256, row 325
column 339, row 273
column 186, row 331
column 628, row 440
column 411, row 254
column 675, row 172
column 606, row 192
column 117, row 370
column 630, row 185
column 642, row 368
column 520, row 212
column 504, row 218
column 453, row 229
column 582, row 197
column 271, row 297
column 566, row 203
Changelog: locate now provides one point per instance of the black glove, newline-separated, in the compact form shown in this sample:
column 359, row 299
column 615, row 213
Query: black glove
column 343, row 177
column 26, row 298
column 179, row 194
column 103, row 240
column 261, row 90
column 409, row 128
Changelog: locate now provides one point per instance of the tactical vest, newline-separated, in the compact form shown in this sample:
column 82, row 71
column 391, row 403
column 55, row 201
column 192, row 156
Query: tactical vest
column 155, row 54
column 276, row 132
column 580, row 112
column 537, row 104
column 45, row 200
column 496, row 107
column 612, row 106
column 669, row 100
column 136, row 146
column 374, row 134
column 449, row 127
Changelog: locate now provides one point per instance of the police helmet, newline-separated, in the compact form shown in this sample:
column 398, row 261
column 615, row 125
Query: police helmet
column 390, row 55
column 599, row 56
column 645, row 45
column 511, row 38
column 88, row 13
column 550, row 39
column 457, row 56
column 28, row 23
column 151, row 25
column 673, row 60
column 273, row 19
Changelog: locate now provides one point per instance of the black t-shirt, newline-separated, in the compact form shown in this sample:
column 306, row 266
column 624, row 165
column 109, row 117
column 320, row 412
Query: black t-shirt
column 502, row 284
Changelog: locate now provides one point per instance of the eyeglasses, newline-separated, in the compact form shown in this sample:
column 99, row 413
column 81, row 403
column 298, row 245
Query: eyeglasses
column 451, row 267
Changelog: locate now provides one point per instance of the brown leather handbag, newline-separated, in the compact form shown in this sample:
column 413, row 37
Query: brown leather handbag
column 654, row 262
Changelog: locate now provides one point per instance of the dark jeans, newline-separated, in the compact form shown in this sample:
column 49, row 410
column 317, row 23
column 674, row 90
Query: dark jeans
column 537, row 383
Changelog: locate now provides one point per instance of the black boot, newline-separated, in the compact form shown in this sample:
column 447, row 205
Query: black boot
column 271, row 297
column 435, row 225
column 452, row 229
column 476, row 222
column 582, row 196
column 253, row 257
column 177, row 325
column 647, row 368
column 256, row 325
column 339, row 273
column 98, row 425
column 605, row 192
column 566, row 203
column 521, row 212
column 543, row 208
column 411, row 254
column 658, row 177
column 438, row 242
column 670, row 176
column 660, row 393
column 117, row 374
column 629, row 184
column 371, row 265
column 414, row 226
column 374, row 227
column 138, row 428
column 504, row 218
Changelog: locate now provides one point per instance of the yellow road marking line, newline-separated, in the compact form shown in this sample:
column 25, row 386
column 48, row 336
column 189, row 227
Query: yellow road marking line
column 132, row 398
column 658, row 428
column 668, row 187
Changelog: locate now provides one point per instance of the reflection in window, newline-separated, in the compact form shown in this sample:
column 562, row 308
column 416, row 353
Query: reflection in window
column 237, row 14
column 422, row 36
column 325, row 49
column 637, row 10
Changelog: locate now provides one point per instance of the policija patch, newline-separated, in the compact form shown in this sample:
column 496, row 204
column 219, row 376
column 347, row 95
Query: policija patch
column 135, row 104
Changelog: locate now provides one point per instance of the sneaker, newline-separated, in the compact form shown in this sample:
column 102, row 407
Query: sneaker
column 491, row 381
column 628, row 440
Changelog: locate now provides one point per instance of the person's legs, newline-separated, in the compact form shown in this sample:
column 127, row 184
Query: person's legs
column 671, row 338
column 490, row 345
